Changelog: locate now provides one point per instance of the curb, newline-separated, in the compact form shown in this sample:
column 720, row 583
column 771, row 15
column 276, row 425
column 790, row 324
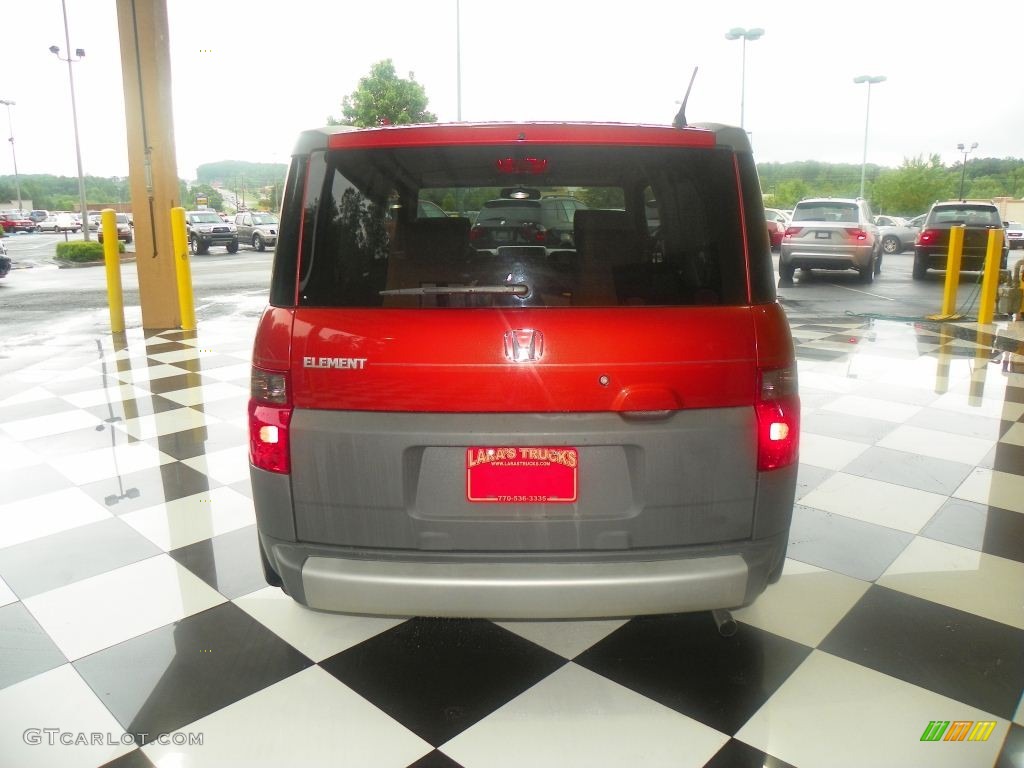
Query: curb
column 125, row 259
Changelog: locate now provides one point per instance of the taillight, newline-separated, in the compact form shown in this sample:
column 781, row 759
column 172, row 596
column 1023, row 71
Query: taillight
column 793, row 231
column 778, row 419
column 477, row 233
column 857, row 233
column 270, row 413
column 928, row 237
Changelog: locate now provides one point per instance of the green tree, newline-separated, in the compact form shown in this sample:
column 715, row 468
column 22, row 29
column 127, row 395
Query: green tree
column 789, row 193
column 913, row 187
column 383, row 98
column 214, row 199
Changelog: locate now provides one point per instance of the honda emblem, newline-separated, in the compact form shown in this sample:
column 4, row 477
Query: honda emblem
column 524, row 345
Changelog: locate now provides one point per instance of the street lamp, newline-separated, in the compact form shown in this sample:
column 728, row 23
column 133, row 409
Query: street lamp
column 14, row 155
column 739, row 33
column 79, row 55
column 963, row 170
column 870, row 80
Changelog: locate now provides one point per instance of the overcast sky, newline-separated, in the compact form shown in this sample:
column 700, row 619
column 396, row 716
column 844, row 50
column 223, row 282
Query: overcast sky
column 248, row 75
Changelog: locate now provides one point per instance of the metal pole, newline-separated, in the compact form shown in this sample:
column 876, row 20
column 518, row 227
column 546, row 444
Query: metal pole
column 963, row 174
column 14, row 155
column 864, row 159
column 743, row 82
column 74, row 119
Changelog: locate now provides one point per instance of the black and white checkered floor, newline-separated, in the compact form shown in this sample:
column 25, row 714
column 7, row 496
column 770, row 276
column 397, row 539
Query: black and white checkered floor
column 135, row 623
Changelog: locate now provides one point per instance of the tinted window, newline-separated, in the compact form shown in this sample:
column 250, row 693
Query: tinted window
column 366, row 250
column 826, row 211
column 970, row 215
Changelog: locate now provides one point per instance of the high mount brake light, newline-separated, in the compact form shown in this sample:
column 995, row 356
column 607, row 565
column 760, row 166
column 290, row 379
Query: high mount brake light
column 270, row 413
column 778, row 419
column 531, row 166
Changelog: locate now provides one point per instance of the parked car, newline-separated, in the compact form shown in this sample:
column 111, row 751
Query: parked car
column 205, row 230
column 5, row 260
column 95, row 219
column 778, row 222
column 124, row 228
column 1014, row 235
column 16, row 222
column 831, row 233
column 38, row 215
column 523, row 217
column 979, row 217
column 49, row 224
column 608, row 429
column 257, row 229
column 896, row 234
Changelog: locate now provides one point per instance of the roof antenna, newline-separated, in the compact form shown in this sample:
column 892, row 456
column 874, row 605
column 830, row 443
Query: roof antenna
column 680, row 120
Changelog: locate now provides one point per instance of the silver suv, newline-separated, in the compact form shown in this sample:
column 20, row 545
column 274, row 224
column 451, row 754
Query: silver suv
column 257, row 229
column 831, row 233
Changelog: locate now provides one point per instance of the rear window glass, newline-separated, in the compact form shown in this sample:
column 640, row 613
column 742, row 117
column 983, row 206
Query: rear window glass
column 845, row 212
column 970, row 215
column 574, row 229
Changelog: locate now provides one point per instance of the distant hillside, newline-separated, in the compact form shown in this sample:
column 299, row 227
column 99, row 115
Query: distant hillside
column 239, row 173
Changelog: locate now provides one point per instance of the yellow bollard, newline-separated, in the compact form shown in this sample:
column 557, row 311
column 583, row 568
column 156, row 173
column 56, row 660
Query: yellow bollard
column 112, row 261
column 186, row 301
column 956, row 250
column 989, row 283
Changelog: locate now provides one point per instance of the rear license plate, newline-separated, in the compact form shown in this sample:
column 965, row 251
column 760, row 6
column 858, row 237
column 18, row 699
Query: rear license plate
column 823, row 235
column 522, row 475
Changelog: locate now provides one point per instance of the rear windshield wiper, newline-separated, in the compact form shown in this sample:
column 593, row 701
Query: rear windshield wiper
column 518, row 289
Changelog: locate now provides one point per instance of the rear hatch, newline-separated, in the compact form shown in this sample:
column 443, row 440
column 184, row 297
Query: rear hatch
column 453, row 399
column 826, row 228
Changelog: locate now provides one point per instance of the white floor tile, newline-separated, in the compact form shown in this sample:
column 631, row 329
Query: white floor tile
column 1014, row 435
column 566, row 638
column 858, row 715
column 194, row 518
column 805, row 604
column 316, row 634
column 177, row 355
column 165, row 423
column 27, row 395
column 828, row 452
column 827, row 382
column 103, row 610
column 874, row 408
column 939, row 445
column 120, row 459
column 961, row 578
column 997, row 489
column 52, row 424
column 101, row 396
column 48, row 513
column 17, row 456
column 875, row 501
column 57, row 699
column 564, row 721
column 326, row 724
column 6, row 595
column 239, row 371
column 987, row 407
column 209, row 393
column 142, row 374
column 225, row 466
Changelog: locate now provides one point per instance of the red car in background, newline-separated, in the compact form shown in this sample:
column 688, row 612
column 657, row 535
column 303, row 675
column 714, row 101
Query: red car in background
column 777, row 223
column 16, row 222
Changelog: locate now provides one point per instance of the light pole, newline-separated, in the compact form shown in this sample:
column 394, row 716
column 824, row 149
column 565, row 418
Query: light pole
column 739, row 33
column 870, row 80
column 963, row 170
column 14, row 155
column 79, row 55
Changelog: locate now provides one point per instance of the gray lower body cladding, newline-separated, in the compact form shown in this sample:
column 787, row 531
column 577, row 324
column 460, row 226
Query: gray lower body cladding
column 671, row 516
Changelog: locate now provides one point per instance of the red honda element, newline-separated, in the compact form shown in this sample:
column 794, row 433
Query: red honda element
column 597, row 425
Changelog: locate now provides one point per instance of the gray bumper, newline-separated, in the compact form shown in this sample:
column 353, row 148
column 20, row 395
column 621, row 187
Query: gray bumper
column 719, row 577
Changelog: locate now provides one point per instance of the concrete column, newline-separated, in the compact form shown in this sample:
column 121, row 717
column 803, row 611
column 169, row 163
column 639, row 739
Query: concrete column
column 152, row 165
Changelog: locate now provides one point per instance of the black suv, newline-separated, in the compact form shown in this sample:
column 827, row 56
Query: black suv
column 206, row 228
column 523, row 217
column 932, row 246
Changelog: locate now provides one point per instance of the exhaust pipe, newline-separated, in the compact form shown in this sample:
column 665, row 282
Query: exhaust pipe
column 724, row 621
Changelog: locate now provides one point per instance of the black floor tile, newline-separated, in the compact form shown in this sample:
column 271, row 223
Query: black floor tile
column 1005, row 457
column 837, row 543
column 435, row 759
column 188, row 669
column 134, row 759
column 172, row 383
column 133, row 408
column 975, row 526
column 736, row 754
column 859, row 429
column 165, row 345
column 229, row 408
column 812, row 353
column 26, row 482
column 55, row 561
column 438, row 677
column 148, row 487
column 27, row 649
column 966, row 424
column 1014, row 395
column 682, row 662
column 196, row 442
column 810, row 477
column 957, row 654
column 912, row 470
column 230, row 562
